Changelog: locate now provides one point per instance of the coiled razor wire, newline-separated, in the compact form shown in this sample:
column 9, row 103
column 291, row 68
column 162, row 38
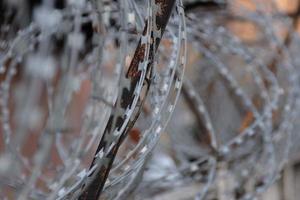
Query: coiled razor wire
column 257, row 143
column 88, row 88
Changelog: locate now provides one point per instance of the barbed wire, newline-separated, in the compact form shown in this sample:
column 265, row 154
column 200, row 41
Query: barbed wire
column 132, row 99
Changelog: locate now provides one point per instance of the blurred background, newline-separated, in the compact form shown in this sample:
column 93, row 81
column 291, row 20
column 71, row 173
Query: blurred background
column 77, row 75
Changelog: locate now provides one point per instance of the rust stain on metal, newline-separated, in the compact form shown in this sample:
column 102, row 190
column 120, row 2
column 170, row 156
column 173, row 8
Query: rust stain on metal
column 138, row 57
column 93, row 188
